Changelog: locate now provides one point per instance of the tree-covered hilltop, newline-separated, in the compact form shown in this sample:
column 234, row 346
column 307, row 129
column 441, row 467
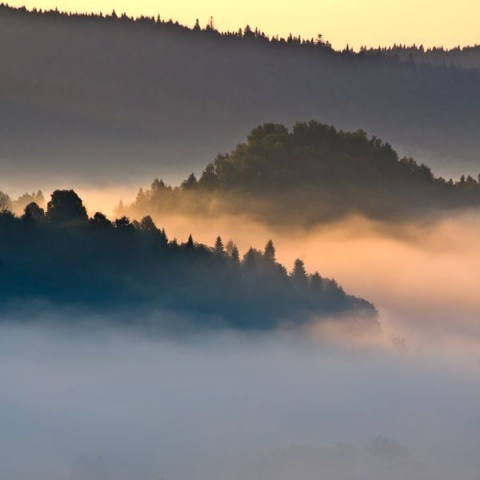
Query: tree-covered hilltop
column 62, row 256
column 465, row 57
column 307, row 175
column 83, row 95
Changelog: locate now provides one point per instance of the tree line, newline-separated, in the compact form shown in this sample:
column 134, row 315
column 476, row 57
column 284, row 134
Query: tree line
column 310, row 174
column 63, row 256
column 158, row 91
column 18, row 204
column 398, row 51
column 456, row 57
column 247, row 33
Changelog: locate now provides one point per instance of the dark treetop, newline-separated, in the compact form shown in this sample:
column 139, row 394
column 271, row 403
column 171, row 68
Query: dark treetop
column 89, row 93
column 311, row 174
column 66, row 258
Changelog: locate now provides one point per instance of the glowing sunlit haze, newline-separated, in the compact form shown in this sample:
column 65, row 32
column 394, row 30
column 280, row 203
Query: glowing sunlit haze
column 354, row 22
column 158, row 360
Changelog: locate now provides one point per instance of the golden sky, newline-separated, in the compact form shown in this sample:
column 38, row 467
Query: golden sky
column 356, row 22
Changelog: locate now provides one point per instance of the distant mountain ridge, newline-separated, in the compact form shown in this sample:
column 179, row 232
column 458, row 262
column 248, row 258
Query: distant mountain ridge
column 111, row 100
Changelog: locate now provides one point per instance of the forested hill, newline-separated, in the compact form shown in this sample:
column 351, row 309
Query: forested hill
column 85, row 98
column 62, row 257
column 466, row 57
column 307, row 175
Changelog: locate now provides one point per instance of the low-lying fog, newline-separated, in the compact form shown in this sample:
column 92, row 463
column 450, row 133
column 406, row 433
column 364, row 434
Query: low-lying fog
column 119, row 405
column 97, row 403
column 423, row 277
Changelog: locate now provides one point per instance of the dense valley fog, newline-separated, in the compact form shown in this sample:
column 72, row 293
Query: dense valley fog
column 90, row 402
column 117, row 405
column 423, row 275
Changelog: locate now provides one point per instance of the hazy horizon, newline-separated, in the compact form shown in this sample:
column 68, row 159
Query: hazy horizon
column 347, row 22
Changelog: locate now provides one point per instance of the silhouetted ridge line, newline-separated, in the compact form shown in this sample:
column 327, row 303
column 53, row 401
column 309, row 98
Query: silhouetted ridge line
column 247, row 33
column 397, row 51
column 308, row 175
column 63, row 257
column 465, row 57
column 94, row 93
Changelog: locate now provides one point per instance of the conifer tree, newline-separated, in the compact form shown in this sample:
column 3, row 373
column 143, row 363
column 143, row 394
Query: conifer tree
column 269, row 252
column 299, row 274
column 218, row 248
column 235, row 255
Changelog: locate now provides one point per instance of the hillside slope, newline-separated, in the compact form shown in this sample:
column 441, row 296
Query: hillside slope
column 111, row 100
column 307, row 175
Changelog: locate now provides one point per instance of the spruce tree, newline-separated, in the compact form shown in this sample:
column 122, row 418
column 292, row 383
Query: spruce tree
column 269, row 252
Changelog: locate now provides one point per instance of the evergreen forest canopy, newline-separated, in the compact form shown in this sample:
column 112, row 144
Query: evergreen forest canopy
column 157, row 22
column 83, row 95
column 311, row 174
column 62, row 257
column 438, row 55
column 465, row 57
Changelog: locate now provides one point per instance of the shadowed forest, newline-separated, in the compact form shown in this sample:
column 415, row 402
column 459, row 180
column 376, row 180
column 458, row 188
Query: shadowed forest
column 465, row 57
column 309, row 175
column 63, row 257
column 93, row 99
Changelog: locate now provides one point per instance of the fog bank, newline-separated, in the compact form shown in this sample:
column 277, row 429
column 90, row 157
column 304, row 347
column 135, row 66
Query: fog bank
column 90, row 402
column 423, row 277
column 119, row 405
